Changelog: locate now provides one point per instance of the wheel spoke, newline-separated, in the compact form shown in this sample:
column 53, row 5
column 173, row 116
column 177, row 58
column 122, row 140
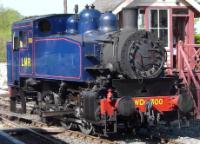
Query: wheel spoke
column 66, row 125
column 86, row 128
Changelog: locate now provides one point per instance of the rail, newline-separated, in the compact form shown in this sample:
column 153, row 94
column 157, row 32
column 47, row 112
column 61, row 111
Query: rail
column 188, row 66
column 27, row 132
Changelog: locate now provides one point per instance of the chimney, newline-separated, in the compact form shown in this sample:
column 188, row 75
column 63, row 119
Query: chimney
column 130, row 17
column 65, row 6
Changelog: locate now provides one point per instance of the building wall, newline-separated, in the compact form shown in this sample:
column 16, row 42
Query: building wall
column 157, row 3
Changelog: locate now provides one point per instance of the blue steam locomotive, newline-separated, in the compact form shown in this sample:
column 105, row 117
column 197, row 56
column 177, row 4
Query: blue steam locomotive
column 86, row 72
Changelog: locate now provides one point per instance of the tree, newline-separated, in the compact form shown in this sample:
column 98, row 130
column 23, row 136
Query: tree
column 197, row 38
column 7, row 17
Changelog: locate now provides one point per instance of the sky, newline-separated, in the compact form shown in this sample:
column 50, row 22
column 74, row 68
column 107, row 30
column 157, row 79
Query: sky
column 42, row 7
column 197, row 26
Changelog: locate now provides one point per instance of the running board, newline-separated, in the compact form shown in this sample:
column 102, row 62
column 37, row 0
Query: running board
column 56, row 113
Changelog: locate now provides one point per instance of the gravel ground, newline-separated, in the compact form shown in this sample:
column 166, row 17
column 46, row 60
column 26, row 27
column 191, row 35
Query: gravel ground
column 3, row 92
column 2, row 126
column 174, row 135
column 3, row 76
column 71, row 140
column 187, row 140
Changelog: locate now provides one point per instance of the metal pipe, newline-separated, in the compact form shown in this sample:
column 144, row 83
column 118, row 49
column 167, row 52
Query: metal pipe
column 65, row 6
column 130, row 18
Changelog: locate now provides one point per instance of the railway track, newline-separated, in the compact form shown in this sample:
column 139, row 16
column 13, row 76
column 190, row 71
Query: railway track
column 33, row 123
column 19, row 121
column 5, row 103
column 27, row 134
column 29, row 120
column 15, row 121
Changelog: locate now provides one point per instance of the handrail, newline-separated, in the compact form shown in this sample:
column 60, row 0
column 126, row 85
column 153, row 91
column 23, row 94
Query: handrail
column 186, row 54
column 194, row 45
column 182, row 55
column 185, row 80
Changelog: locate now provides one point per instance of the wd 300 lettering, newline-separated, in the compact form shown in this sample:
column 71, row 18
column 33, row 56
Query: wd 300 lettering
column 140, row 102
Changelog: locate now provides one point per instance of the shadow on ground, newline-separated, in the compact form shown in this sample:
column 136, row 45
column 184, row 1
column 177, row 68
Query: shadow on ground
column 28, row 136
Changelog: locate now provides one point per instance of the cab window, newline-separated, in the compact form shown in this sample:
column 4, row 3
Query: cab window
column 16, row 43
column 19, row 40
column 22, row 39
column 15, row 40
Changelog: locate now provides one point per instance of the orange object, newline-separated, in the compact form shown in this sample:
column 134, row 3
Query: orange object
column 9, row 91
column 108, row 104
column 109, row 95
column 107, row 107
column 160, row 103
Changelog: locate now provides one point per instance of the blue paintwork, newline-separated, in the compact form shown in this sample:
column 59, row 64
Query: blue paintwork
column 58, row 25
column 72, row 25
column 58, row 57
column 25, row 53
column 107, row 22
column 15, row 66
column 64, row 59
column 56, row 54
column 89, row 20
column 9, row 63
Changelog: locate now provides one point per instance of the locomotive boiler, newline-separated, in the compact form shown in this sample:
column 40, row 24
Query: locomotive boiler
column 87, row 73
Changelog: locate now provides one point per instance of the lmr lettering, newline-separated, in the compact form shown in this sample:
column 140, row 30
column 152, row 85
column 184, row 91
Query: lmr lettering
column 26, row 62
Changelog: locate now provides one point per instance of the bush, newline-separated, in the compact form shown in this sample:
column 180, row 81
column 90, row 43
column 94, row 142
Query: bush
column 197, row 38
column 7, row 17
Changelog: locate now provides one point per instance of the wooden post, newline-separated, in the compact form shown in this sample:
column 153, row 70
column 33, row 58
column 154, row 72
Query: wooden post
column 65, row 6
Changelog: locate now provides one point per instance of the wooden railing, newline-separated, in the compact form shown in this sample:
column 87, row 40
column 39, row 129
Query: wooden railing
column 188, row 66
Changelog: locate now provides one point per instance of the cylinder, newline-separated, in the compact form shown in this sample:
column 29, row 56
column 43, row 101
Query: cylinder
column 130, row 18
